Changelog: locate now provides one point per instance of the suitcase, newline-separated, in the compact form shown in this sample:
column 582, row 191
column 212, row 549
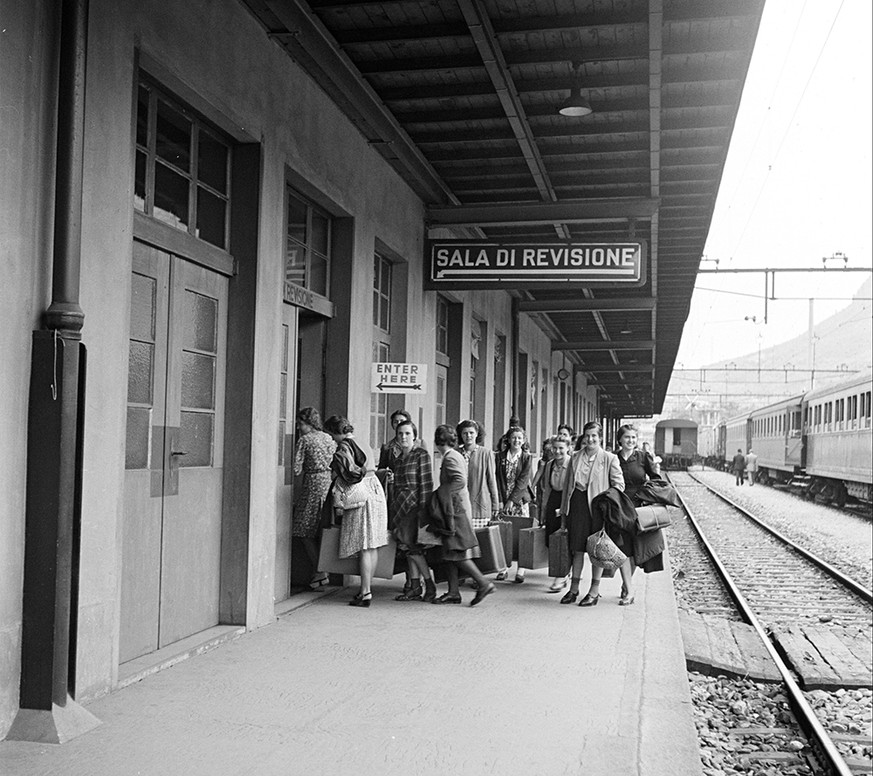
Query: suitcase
column 491, row 548
column 519, row 523
column 329, row 560
column 505, row 527
column 559, row 554
column 532, row 550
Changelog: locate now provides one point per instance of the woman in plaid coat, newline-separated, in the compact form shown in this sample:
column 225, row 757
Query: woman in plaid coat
column 411, row 477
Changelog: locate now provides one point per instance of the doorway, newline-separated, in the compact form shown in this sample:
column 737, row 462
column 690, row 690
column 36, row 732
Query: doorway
column 173, row 456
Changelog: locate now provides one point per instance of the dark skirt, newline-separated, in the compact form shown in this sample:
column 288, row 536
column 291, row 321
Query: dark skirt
column 552, row 520
column 580, row 522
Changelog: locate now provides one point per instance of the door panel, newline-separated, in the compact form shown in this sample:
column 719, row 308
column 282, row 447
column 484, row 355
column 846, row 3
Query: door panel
column 195, row 406
column 285, row 457
column 172, row 498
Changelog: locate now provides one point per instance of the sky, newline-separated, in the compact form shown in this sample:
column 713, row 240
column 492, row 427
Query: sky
column 797, row 184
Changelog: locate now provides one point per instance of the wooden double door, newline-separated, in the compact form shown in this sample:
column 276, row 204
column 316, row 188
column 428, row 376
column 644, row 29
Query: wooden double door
column 174, row 447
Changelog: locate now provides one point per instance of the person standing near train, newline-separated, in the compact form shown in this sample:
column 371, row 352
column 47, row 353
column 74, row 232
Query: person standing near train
column 752, row 466
column 739, row 467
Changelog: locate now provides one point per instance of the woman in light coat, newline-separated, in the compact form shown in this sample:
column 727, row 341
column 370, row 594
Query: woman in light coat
column 592, row 471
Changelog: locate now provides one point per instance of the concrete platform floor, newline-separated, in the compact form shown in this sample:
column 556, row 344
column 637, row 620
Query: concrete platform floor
column 518, row 686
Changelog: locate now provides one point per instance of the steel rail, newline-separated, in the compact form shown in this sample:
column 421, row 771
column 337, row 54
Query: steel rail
column 806, row 717
column 856, row 587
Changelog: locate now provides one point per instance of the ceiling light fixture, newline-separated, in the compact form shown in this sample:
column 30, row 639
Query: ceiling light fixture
column 575, row 104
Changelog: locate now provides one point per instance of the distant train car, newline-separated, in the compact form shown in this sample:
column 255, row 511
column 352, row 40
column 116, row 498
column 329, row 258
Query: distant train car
column 737, row 436
column 838, row 441
column 775, row 434
column 676, row 442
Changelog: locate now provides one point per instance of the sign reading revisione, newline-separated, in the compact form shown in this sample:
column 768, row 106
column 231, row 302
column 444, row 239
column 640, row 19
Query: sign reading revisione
column 483, row 263
column 388, row 377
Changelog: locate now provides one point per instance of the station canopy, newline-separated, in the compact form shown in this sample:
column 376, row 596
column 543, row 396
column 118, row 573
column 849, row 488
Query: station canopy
column 462, row 98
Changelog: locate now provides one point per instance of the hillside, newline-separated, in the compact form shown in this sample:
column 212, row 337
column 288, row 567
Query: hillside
column 841, row 343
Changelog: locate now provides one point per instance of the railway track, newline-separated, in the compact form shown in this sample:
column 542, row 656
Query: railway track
column 777, row 584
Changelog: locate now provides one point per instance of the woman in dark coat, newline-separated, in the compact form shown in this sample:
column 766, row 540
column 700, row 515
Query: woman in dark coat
column 452, row 521
column 514, row 474
column 638, row 467
column 554, row 475
column 411, row 477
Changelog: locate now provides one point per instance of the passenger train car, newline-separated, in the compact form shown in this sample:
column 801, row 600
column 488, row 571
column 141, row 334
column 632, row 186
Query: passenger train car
column 676, row 442
column 820, row 442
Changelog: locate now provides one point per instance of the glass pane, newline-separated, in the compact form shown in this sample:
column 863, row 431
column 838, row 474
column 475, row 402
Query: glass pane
column 296, row 219
column 201, row 315
column 384, row 322
column 142, row 307
column 171, row 197
column 212, row 162
column 285, row 333
column 376, row 300
column 318, row 274
column 139, row 182
column 281, row 460
column 386, row 278
column 295, row 263
column 142, row 117
column 198, row 381
column 283, row 390
column 320, row 232
column 136, row 451
column 173, row 137
column 139, row 373
column 211, row 214
column 195, row 437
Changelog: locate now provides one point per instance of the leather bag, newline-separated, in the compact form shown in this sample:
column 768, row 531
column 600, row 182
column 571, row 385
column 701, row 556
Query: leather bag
column 653, row 517
column 559, row 554
column 491, row 558
column 329, row 560
column 532, row 550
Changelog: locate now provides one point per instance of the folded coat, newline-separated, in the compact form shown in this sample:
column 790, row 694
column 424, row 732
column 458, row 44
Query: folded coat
column 616, row 510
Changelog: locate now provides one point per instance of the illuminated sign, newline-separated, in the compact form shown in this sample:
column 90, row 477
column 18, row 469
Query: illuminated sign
column 486, row 263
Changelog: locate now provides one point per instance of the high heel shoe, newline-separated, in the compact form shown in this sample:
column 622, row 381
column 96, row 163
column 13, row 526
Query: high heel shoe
column 412, row 594
column 501, row 575
column 518, row 580
column 318, row 582
column 480, row 594
column 449, row 598
column 626, row 600
column 590, row 600
column 362, row 600
column 569, row 597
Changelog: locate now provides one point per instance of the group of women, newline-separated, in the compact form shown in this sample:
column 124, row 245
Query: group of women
column 475, row 486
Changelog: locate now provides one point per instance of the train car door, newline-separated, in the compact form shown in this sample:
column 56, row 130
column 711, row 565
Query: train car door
column 175, row 429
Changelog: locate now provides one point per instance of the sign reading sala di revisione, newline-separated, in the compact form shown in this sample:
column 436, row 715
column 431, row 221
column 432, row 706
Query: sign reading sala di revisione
column 392, row 377
column 486, row 263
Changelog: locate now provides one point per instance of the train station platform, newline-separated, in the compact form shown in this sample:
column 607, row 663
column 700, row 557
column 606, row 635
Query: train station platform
column 518, row 686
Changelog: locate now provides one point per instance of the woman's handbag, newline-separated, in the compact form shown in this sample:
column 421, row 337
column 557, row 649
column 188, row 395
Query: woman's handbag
column 653, row 517
column 604, row 552
column 351, row 496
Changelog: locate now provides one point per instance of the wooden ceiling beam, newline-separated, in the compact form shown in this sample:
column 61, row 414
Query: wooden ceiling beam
column 576, row 305
column 567, row 212
column 585, row 346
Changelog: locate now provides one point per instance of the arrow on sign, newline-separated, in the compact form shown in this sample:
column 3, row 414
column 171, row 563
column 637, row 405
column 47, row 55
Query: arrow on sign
column 383, row 386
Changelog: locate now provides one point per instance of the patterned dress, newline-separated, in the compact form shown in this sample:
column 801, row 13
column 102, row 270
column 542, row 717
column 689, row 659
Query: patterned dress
column 510, row 480
column 358, row 492
column 312, row 460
